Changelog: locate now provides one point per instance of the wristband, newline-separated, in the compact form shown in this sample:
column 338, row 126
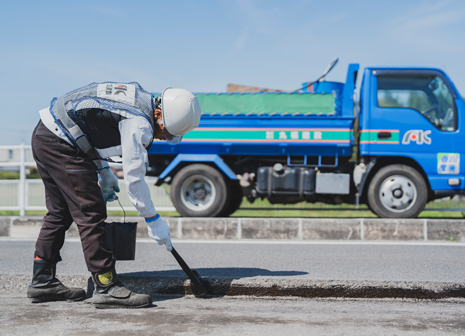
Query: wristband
column 99, row 170
column 149, row 220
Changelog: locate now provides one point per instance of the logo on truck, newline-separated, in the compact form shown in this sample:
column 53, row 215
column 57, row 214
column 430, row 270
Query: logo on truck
column 419, row 136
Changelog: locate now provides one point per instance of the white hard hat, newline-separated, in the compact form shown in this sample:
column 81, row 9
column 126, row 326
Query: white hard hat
column 180, row 112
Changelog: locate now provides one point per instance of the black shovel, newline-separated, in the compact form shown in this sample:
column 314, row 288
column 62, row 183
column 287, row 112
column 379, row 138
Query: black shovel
column 200, row 285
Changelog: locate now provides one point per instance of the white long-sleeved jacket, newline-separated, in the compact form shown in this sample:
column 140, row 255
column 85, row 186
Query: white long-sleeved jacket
column 136, row 134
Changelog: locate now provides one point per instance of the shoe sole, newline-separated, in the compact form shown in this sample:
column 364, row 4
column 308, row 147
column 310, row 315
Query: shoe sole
column 115, row 306
column 52, row 299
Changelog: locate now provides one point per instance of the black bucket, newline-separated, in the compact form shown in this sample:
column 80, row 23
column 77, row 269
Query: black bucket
column 121, row 239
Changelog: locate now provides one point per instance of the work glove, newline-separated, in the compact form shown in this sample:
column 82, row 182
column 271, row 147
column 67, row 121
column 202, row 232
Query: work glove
column 160, row 231
column 108, row 182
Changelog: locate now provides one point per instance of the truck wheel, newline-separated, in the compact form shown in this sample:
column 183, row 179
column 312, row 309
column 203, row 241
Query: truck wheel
column 235, row 192
column 199, row 190
column 397, row 191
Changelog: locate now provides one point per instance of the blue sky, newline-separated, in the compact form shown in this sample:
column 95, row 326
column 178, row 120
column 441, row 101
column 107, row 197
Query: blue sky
column 51, row 47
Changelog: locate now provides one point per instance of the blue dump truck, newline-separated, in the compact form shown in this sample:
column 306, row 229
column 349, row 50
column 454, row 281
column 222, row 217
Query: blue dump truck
column 395, row 148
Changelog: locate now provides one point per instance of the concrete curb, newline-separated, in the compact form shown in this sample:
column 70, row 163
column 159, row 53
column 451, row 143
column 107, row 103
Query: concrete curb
column 273, row 228
column 18, row 283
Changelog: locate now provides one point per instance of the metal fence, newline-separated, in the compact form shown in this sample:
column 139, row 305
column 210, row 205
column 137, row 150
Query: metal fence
column 28, row 194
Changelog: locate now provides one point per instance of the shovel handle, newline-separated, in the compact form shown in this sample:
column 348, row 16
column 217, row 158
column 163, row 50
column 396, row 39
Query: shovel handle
column 201, row 290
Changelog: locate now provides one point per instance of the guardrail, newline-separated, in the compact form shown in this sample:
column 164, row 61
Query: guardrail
column 28, row 194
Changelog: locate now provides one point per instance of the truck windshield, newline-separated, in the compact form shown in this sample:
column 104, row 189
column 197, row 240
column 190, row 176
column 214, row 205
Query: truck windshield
column 426, row 93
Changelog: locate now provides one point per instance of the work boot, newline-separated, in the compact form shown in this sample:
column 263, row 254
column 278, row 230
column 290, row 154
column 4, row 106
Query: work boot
column 46, row 287
column 110, row 292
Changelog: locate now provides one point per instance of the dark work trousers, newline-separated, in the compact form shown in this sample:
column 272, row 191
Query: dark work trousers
column 72, row 194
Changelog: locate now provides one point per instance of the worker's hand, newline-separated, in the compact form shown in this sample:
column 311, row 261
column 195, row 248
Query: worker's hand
column 160, row 231
column 108, row 182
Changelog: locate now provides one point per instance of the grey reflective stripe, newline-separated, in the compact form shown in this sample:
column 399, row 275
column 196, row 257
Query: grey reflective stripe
column 62, row 115
column 74, row 130
column 86, row 147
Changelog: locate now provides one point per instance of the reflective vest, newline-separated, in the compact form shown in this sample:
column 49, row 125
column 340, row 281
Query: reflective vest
column 125, row 99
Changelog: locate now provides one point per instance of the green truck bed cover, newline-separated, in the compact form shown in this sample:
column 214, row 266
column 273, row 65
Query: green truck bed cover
column 270, row 103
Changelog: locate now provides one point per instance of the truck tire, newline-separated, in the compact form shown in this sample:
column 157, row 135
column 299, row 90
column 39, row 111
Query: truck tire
column 199, row 190
column 397, row 191
column 235, row 192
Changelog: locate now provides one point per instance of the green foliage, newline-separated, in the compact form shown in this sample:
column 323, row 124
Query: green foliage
column 244, row 212
column 14, row 175
column 9, row 213
column 451, row 239
column 7, row 175
column 33, row 174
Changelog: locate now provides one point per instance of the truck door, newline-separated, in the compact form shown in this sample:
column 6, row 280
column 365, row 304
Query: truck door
column 414, row 114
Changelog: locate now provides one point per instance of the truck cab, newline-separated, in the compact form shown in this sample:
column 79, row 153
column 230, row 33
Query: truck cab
column 411, row 128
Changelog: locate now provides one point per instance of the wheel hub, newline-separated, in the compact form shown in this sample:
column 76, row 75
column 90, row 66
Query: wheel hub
column 198, row 193
column 397, row 193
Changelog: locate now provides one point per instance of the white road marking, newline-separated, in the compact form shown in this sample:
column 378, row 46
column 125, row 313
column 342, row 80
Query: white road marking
column 313, row 242
column 276, row 242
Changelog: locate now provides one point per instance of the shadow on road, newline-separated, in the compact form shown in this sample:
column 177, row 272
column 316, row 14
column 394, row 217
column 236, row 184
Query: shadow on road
column 218, row 273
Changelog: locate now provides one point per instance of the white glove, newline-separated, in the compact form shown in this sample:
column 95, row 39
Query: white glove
column 160, row 231
column 108, row 182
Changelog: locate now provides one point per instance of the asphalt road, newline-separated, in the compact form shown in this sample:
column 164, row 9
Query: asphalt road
column 235, row 316
column 401, row 261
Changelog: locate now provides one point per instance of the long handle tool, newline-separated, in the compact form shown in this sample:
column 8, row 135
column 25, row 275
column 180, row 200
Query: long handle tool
column 195, row 279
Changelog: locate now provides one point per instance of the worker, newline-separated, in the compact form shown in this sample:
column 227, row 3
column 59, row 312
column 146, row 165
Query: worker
column 72, row 144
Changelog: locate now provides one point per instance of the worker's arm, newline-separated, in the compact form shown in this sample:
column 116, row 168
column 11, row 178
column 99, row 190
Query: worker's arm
column 135, row 137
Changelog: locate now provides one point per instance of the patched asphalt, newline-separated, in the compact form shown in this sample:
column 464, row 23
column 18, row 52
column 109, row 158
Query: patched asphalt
column 403, row 270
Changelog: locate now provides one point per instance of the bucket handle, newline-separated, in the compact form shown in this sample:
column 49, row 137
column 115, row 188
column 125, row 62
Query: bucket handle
column 124, row 212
